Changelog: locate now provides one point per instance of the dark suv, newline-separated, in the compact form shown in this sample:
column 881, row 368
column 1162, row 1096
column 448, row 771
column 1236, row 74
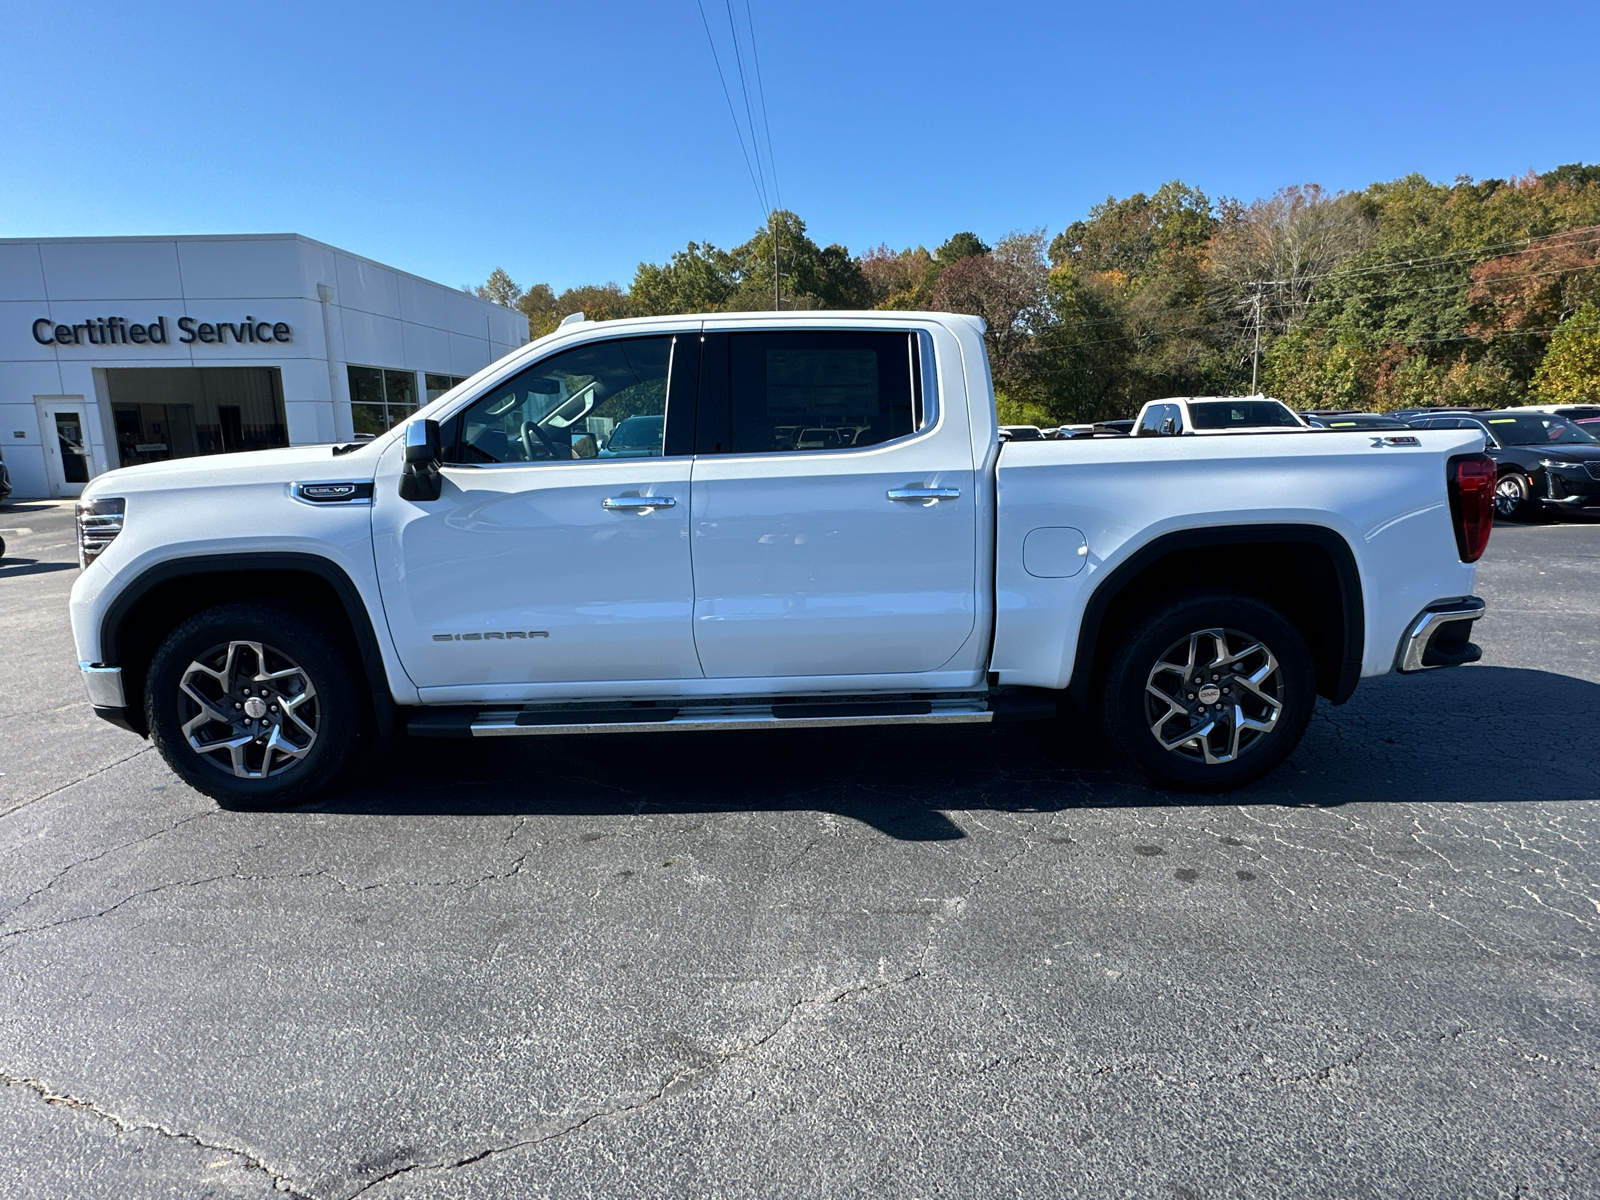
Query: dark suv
column 1546, row 462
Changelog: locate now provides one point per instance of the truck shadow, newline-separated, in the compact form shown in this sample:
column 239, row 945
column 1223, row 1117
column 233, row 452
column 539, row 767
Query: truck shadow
column 12, row 567
column 1476, row 735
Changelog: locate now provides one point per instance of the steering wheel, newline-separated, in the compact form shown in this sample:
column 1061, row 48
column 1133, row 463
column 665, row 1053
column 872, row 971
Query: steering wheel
column 530, row 430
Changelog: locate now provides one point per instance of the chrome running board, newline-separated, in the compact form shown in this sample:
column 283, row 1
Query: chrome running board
column 731, row 716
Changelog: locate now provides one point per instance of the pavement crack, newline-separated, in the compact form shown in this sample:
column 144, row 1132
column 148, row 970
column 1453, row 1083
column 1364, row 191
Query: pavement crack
column 82, row 779
column 67, row 870
column 126, row 1125
column 150, row 891
column 676, row 1083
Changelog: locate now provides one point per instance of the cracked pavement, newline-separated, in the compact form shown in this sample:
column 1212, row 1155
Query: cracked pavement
column 905, row 964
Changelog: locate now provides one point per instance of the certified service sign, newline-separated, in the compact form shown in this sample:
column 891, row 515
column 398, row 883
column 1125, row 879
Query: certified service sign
column 119, row 331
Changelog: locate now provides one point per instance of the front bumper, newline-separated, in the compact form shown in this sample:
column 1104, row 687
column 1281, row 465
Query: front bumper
column 1438, row 637
column 1570, row 487
column 104, row 685
column 106, row 694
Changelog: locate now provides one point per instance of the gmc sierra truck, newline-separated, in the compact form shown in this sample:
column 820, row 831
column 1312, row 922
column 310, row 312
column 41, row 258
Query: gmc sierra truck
column 764, row 521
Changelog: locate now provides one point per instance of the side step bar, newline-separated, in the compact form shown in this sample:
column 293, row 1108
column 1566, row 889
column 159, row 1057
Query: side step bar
column 504, row 722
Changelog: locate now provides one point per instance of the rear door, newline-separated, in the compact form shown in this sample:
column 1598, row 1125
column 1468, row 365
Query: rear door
column 834, row 529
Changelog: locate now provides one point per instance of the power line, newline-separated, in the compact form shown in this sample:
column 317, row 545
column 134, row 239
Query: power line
column 1454, row 258
column 749, row 116
column 726, row 95
column 761, row 90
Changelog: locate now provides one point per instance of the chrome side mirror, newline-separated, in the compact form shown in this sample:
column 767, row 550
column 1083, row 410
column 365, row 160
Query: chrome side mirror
column 420, row 479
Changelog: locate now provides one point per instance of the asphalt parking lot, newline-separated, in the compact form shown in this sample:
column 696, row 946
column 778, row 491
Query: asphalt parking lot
column 899, row 964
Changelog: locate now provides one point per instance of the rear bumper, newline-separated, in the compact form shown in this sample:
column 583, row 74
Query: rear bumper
column 1439, row 636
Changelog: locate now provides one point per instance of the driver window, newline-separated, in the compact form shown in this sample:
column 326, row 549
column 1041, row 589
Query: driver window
column 600, row 400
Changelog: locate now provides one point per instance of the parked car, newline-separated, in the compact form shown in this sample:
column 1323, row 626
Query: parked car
column 1544, row 462
column 1188, row 598
column 5, row 483
column 636, row 437
column 1021, row 433
column 1354, row 420
column 1587, row 415
column 1216, row 414
column 1410, row 414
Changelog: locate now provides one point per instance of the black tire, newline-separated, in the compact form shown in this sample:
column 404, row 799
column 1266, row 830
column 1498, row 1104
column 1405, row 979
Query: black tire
column 302, row 705
column 1253, row 722
column 1513, row 498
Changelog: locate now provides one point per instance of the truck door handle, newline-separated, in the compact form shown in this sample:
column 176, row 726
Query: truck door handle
column 924, row 495
column 638, row 504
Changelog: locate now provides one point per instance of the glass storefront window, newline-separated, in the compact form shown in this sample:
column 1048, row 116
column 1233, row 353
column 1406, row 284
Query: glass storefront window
column 380, row 399
column 174, row 412
column 438, row 385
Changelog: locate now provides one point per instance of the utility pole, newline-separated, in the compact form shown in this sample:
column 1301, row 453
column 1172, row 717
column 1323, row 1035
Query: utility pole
column 1255, row 354
column 777, row 278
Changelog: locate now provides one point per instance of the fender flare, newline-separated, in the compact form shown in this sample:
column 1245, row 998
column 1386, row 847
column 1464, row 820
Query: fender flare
column 1338, row 550
column 280, row 562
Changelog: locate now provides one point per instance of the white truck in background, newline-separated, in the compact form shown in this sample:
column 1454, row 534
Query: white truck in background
column 1180, row 415
column 758, row 521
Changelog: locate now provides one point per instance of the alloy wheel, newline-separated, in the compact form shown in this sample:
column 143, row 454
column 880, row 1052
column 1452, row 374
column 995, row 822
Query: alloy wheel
column 1509, row 496
column 248, row 709
column 1214, row 695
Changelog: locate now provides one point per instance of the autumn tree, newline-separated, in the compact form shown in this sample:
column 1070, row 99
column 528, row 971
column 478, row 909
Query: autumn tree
column 898, row 279
column 1570, row 370
column 1006, row 287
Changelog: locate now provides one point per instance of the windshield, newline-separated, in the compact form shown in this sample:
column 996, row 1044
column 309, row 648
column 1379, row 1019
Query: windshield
column 1537, row 429
column 1241, row 414
column 1362, row 421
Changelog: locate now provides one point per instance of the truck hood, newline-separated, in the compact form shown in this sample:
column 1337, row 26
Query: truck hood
column 1575, row 452
column 295, row 463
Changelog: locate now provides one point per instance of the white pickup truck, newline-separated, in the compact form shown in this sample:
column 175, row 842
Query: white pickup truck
column 758, row 521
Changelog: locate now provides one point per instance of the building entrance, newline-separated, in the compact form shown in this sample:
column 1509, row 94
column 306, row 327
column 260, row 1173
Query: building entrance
column 63, row 430
column 176, row 412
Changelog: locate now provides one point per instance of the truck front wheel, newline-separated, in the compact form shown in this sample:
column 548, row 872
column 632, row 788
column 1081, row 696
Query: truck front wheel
column 253, row 705
column 1210, row 692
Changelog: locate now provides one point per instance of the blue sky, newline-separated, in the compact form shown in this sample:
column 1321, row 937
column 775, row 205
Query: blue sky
column 566, row 142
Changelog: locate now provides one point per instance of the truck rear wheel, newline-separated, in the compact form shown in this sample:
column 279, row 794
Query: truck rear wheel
column 253, row 705
column 1209, row 693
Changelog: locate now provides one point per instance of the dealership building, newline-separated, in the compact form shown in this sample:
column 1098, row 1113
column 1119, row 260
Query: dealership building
column 115, row 351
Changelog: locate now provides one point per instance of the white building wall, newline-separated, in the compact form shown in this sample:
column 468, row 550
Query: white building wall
column 380, row 317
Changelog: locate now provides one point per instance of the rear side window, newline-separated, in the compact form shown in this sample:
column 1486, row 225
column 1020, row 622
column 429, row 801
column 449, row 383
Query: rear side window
column 1161, row 420
column 600, row 400
column 1241, row 414
column 806, row 391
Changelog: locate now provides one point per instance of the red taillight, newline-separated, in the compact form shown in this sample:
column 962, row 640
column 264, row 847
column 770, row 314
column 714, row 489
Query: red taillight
column 1472, row 478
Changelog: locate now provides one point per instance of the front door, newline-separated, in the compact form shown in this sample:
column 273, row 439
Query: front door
column 64, row 429
column 559, row 549
column 835, row 527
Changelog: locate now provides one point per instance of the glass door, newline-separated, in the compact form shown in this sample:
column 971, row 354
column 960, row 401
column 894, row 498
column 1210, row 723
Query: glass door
column 64, row 426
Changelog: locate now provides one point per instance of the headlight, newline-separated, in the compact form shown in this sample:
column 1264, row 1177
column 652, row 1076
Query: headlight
column 1559, row 465
column 99, row 522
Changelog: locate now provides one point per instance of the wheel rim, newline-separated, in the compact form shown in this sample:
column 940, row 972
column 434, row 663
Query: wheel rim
column 248, row 709
column 1214, row 695
column 1508, row 495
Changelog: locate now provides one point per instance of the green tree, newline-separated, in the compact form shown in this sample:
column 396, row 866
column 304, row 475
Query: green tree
column 703, row 278
column 498, row 288
column 698, row 278
column 1570, row 370
column 959, row 246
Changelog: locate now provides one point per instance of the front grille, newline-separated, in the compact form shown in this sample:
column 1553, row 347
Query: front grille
column 1593, row 468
